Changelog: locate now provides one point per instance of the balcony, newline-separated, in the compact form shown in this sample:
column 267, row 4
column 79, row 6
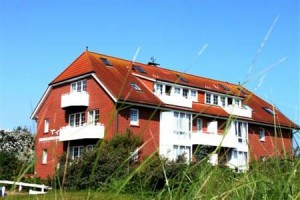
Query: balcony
column 238, row 111
column 214, row 139
column 90, row 131
column 74, row 99
column 176, row 100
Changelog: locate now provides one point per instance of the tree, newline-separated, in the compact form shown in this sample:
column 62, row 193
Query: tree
column 19, row 142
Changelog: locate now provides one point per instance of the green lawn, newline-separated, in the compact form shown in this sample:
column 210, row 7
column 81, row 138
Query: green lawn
column 73, row 196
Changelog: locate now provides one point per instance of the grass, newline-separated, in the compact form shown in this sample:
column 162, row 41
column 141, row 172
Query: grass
column 73, row 196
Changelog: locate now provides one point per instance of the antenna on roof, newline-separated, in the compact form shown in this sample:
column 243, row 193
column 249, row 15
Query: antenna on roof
column 87, row 48
column 153, row 61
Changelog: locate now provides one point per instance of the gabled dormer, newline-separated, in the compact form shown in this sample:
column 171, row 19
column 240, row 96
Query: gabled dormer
column 175, row 94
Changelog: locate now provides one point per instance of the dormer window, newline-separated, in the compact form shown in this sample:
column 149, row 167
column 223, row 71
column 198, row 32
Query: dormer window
column 106, row 61
column 78, row 86
column 216, row 99
column 208, row 98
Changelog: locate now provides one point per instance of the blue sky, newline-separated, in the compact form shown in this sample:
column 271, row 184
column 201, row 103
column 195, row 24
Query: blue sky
column 215, row 39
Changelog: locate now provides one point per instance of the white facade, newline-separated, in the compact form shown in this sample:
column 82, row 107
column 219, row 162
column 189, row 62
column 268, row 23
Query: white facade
column 177, row 138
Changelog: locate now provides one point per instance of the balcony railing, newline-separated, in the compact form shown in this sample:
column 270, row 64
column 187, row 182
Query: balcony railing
column 238, row 111
column 176, row 100
column 75, row 99
column 90, row 131
column 214, row 139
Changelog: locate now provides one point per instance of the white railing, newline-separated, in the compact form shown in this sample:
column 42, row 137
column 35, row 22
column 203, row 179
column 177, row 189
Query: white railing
column 238, row 111
column 186, row 135
column 75, row 99
column 89, row 131
column 214, row 139
column 22, row 184
column 176, row 100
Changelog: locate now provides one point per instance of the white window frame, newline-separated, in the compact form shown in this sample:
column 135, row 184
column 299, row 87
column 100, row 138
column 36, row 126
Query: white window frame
column 45, row 156
column 206, row 98
column 179, row 150
column 134, row 117
column 178, row 93
column 72, row 151
column 223, row 101
column 81, row 120
column 93, row 117
column 79, row 86
column 215, row 97
column 159, row 89
column 46, row 125
column 262, row 134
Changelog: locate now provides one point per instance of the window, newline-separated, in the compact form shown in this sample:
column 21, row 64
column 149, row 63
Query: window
column 44, row 156
column 168, row 90
column 93, row 117
column 194, row 94
column 46, row 126
column 229, row 101
column 182, row 151
column 90, row 147
column 261, row 134
column 106, row 61
column 134, row 117
column 76, row 151
column 77, row 119
column 140, row 69
column 223, row 101
column 182, row 123
column 177, row 91
column 237, row 102
column 216, row 99
column 199, row 124
column 208, row 98
column 78, row 86
column 135, row 86
column 185, row 93
column 268, row 110
column 159, row 89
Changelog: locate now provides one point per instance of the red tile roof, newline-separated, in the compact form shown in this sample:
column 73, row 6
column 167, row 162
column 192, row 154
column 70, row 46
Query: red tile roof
column 117, row 79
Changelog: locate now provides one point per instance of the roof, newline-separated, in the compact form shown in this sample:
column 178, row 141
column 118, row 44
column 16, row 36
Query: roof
column 117, row 79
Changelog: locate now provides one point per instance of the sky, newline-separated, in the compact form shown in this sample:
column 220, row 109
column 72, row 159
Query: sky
column 254, row 42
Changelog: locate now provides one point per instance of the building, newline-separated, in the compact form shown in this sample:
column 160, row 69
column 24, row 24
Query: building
column 175, row 113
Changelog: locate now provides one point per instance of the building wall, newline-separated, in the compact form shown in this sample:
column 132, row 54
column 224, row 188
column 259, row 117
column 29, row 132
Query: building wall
column 58, row 118
column 272, row 146
column 148, row 127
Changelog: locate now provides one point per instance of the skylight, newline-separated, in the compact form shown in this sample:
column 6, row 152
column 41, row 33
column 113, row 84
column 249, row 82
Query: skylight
column 182, row 78
column 140, row 69
column 135, row 87
column 224, row 87
column 106, row 61
column 268, row 110
column 242, row 91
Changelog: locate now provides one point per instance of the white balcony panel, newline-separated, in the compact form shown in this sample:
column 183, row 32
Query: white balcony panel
column 213, row 139
column 176, row 100
column 75, row 99
column 91, row 131
column 237, row 111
